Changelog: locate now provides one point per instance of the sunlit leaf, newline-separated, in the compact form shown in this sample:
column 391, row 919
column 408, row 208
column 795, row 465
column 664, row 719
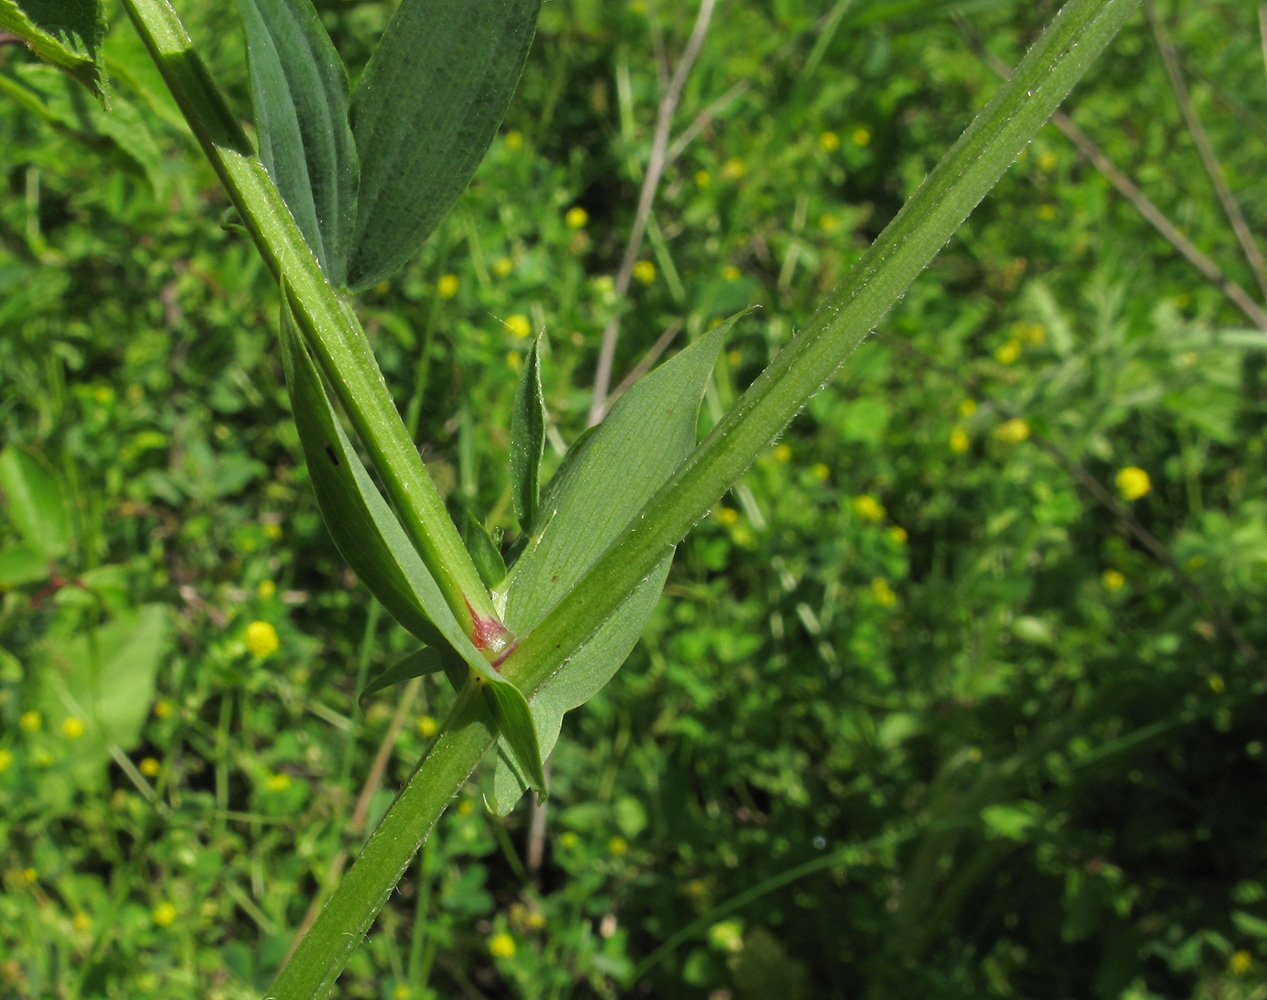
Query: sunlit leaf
column 527, row 438
column 66, row 33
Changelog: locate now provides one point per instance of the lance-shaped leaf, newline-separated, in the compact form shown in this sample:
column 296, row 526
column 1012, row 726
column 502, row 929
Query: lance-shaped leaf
column 527, row 438
column 424, row 113
column 419, row 663
column 615, row 471
column 66, row 33
column 369, row 537
column 300, row 94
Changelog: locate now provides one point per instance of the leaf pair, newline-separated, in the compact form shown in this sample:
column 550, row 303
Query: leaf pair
column 367, row 180
column 606, row 478
column 374, row 544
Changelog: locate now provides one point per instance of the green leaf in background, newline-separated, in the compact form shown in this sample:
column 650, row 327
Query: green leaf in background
column 419, row 663
column 22, row 564
column 35, row 502
column 105, row 678
column 424, row 113
column 300, row 94
column 66, row 33
column 527, row 438
column 595, row 493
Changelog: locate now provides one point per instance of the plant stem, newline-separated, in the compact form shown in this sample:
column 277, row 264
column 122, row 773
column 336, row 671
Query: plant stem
column 328, row 323
column 928, row 220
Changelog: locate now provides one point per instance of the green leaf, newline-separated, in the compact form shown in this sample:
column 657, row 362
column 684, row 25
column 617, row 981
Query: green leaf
column 527, row 438
column 484, row 551
column 22, row 564
column 66, row 33
column 35, row 502
column 424, row 113
column 518, row 733
column 601, row 486
column 364, row 529
column 300, row 94
column 419, row 663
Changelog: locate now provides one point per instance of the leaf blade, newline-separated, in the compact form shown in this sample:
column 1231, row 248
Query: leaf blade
column 35, row 501
column 67, row 35
column 299, row 91
column 423, row 115
column 527, row 438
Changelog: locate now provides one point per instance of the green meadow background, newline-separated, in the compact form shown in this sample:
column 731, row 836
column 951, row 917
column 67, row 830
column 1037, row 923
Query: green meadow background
column 959, row 694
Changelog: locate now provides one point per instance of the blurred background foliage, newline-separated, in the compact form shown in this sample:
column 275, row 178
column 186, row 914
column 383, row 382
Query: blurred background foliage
column 939, row 702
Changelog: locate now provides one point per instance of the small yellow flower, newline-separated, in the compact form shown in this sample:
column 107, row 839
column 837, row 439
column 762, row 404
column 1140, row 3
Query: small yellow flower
column 829, row 223
column 898, row 534
column 518, row 325
column 783, row 453
column 1013, row 431
column 959, row 441
column 568, row 841
column 730, row 273
column 967, row 407
column 1034, row 334
column 278, row 782
column 514, row 141
column 882, row 593
column 402, row 992
column 501, row 945
column 30, row 722
column 72, row 728
column 1008, row 353
column 576, row 217
column 427, row 726
column 820, row 471
column 733, row 169
column 149, row 767
column 272, row 531
column 1239, row 963
column 861, row 136
column 1112, row 580
column 466, row 807
column 728, row 515
column 535, row 920
column 644, row 272
column 447, row 286
column 502, row 267
column 6, row 760
column 734, row 358
column 162, row 709
column 830, row 141
column 1216, row 683
column 618, row 846
column 868, row 508
column 703, row 178
column 30, row 876
column 103, row 394
column 261, row 639
column 81, row 922
column 163, row 914
column 1133, row 482
column 1046, row 159
column 265, row 590
column 1047, row 212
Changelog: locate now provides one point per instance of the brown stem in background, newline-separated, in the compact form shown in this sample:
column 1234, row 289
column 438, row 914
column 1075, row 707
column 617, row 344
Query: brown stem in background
column 650, row 183
column 1202, row 139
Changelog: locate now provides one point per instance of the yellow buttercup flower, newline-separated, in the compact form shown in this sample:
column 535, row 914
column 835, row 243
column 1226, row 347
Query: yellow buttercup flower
column 6, row 760
column 427, row 727
column 733, row 169
column 730, row 273
column 830, row 141
column 501, row 945
column 1047, row 212
column 618, row 846
column 959, row 441
column 30, row 722
column 502, row 267
column 1014, row 431
column 72, row 728
column 703, row 178
column 1112, row 580
column 576, row 217
column 967, row 407
column 1133, row 482
column 149, row 767
column 783, row 453
column 81, row 922
column 820, row 471
column 265, row 590
column 1239, row 963
column 261, row 639
column 644, row 272
column 861, row 136
column 278, row 782
column 514, row 141
column 1008, row 353
column 1046, row 159
column 882, row 592
column 727, row 515
column 518, row 325
column 163, row 914
column 898, row 534
column 868, row 508
column 447, row 286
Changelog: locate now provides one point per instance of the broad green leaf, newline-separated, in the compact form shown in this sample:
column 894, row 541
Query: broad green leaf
column 595, row 493
column 66, row 33
column 22, row 564
column 518, row 733
column 35, row 502
column 419, row 663
column 527, row 438
column 300, row 94
column 424, row 113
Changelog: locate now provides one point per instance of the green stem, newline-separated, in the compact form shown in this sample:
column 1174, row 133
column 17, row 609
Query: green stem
column 329, row 325
column 928, row 220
